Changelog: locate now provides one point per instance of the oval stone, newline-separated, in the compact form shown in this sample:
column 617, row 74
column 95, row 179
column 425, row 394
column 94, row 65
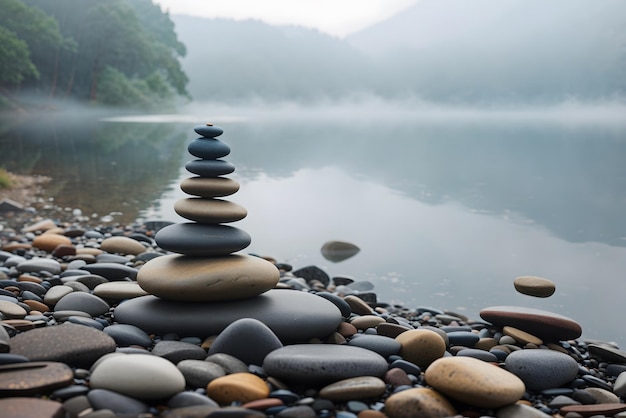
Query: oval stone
column 418, row 402
column 237, row 387
column 209, row 211
column 421, row 346
column 474, row 382
column 83, row 302
column 202, row 240
column 208, row 130
column 209, row 186
column 534, row 286
column 337, row 251
column 545, row 325
column 30, row 378
column 119, row 290
column 179, row 277
column 209, row 168
column 140, row 376
column 48, row 242
column 542, row 369
column 122, row 245
column 322, row 363
column 36, row 265
column 208, row 149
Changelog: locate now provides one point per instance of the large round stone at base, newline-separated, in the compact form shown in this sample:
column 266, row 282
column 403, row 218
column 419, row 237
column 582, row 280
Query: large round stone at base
column 180, row 277
column 292, row 315
column 202, row 239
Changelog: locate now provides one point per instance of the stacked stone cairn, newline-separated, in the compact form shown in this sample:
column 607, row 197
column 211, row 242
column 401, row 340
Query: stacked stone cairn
column 204, row 285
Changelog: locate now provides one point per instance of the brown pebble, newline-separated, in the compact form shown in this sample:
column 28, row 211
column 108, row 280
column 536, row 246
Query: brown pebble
column 346, row 329
column 397, row 377
column 29, row 278
column 11, row 310
column 37, row 306
column 520, row 336
column 31, row 407
column 19, row 324
column 23, row 379
column 418, row 402
column 64, row 251
column 358, row 305
column 353, row 388
column 48, row 242
column 263, row 404
column 608, row 409
column 366, row 321
column 40, row 226
column 14, row 246
column 122, row 245
column 237, row 387
column 421, row 346
column 486, row 344
column 534, row 286
column 371, row 413
column 390, row 330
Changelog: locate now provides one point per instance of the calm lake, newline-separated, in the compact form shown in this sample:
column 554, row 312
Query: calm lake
column 447, row 206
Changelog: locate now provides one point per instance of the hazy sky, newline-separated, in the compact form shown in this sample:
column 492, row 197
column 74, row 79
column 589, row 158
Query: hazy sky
column 336, row 17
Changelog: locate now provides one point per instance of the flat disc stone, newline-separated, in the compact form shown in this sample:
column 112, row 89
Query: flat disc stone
column 208, row 148
column 208, row 130
column 31, row 407
column 24, row 379
column 202, row 240
column 209, row 168
column 293, row 316
column 184, row 278
column 209, row 186
column 543, row 324
column 209, row 211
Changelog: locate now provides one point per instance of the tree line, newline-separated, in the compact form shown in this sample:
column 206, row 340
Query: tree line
column 112, row 52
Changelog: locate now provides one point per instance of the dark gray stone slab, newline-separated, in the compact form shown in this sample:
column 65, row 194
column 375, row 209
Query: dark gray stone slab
column 202, row 240
column 293, row 316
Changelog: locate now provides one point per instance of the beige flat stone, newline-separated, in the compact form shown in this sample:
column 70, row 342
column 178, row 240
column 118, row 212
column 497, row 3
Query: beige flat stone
column 209, row 210
column 534, row 286
column 418, row 402
column 520, row 336
column 122, row 245
column 209, row 187
column 474, row 382
column 184, row 278
column 353, row 388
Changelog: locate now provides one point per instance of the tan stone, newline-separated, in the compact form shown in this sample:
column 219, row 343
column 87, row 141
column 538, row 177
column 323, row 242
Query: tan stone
column 366, row 321
column 421, row 346
column 11, row 310
column 520, row 336
column 418, row 402
column 210, row 211
column 48, row 242
column 40, row 226
column 353, row 388
column 358, row 305
column 534, row 286
column 237, row 387
column 89, row 251
column 179, row 277
column 36, row 306
column 119, row 290
column 209, row 187
column 474, row 382
column 122, row 245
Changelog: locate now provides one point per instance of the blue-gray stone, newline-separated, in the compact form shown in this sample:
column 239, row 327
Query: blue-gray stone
column 73, row 272
column 209, row 168
column 89, row 322
column 463, row 338
column 116, row 402
column 125, row 335
column 202, row 240
column 208, row 130
column 176, row 351
column 199, row 373
column 208, row 149
column 322, row 363
column 230, row 364
column 9, row 358
column 361, row 286
column 111, row 258
column 247, row 339
column 83, row 302
column 380, row 344
column 541, row 368
column 36, row 265
column 293, row 316
column 310, row 273
column 112, row 271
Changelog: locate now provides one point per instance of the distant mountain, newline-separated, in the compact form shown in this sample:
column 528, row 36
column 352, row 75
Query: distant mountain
column 229, row 59
column 506, row 49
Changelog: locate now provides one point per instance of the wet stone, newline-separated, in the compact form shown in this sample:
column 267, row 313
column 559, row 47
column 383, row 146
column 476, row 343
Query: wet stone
column 75, row 345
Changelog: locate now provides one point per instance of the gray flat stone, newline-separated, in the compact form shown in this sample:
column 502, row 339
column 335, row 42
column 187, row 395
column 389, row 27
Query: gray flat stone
column 293, row 316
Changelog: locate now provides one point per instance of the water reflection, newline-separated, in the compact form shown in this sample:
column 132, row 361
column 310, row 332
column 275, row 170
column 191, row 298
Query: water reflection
column 440, row 255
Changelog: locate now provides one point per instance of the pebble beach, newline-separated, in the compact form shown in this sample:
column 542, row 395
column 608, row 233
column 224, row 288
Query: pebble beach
column 157, row 319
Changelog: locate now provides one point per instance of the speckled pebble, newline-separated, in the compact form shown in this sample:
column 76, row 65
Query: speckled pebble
column 176, row 351
column 534, row 286
column 542, row 369
column 421, row 346
column 353, row 388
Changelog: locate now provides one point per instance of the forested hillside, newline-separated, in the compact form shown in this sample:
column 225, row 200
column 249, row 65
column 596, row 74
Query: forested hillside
column 116, row 52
